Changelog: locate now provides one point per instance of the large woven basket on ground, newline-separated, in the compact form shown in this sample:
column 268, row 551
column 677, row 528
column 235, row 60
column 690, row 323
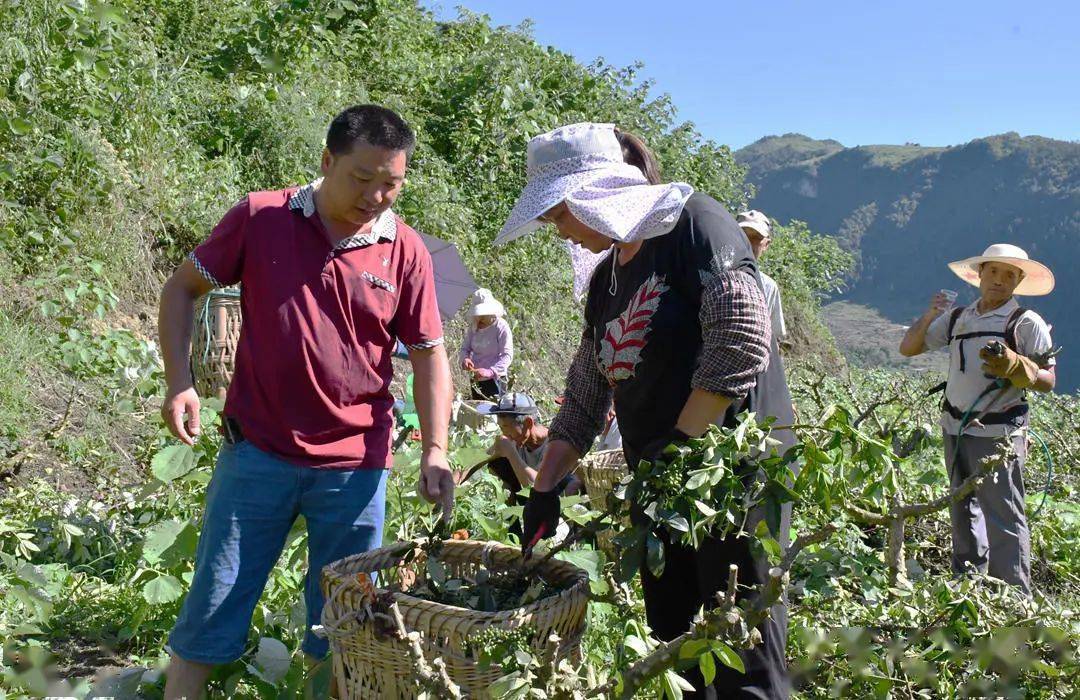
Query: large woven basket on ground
column 601, row 471
column 369, row 665
column 214, row 339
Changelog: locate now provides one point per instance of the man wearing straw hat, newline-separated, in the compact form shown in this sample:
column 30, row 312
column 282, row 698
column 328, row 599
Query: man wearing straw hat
column 997, row 352
column 330, row 278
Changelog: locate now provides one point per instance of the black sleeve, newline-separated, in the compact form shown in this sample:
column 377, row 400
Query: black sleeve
column 722, row 278
column 711, row 244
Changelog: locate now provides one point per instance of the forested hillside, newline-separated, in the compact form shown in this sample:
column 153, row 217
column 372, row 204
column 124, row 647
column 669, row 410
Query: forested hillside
column 908, row 210
column 128, row 132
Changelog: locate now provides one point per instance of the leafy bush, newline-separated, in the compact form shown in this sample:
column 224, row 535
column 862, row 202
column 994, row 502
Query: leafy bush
column 807, row 268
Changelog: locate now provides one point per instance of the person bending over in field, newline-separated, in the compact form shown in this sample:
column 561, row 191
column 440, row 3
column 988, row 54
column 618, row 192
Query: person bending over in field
column 521, row 446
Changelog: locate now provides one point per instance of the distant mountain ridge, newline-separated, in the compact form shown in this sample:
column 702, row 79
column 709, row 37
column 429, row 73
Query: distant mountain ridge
column 908, row 210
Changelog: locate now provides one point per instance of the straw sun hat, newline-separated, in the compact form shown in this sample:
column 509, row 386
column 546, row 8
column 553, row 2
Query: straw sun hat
column 1037, row 281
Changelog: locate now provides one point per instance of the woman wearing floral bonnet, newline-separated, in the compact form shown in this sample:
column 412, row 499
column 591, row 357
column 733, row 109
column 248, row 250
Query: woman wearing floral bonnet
column 677, row 335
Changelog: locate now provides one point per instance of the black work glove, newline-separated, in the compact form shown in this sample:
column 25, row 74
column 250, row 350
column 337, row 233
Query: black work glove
column 541, row 517
column 671, row 437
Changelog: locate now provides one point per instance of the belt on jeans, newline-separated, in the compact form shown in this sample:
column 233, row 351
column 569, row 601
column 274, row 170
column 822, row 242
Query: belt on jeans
column 230, row 430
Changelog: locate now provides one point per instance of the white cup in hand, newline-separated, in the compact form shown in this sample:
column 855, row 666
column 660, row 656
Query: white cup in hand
column 941, row 301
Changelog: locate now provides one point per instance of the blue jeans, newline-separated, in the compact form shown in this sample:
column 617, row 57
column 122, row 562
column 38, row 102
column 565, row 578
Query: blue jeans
column 251, row 504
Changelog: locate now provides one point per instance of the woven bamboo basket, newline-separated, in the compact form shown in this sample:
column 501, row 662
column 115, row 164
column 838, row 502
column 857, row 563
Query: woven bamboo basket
column 214, row 339
column 369, row 665
column 601, row 471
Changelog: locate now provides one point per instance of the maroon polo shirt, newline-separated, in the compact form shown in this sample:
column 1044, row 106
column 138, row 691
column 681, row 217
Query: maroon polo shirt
column 313, row 370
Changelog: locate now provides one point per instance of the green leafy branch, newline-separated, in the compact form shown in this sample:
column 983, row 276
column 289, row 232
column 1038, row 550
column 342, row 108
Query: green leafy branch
column 708, row 487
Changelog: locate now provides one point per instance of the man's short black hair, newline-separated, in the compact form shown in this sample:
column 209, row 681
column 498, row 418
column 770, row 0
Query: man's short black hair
column 372, row 124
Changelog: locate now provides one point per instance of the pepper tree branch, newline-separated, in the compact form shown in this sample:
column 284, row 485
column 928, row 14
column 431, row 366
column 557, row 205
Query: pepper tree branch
column 437, row 679
column 898, row 515
column 961, row 492
column 726, row 622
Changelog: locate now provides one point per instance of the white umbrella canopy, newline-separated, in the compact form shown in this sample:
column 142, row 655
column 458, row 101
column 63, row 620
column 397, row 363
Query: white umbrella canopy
column 453, row 283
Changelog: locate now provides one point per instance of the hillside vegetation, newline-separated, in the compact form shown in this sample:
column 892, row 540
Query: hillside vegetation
column 126, row 130
column 866, row 339
column 906, row 211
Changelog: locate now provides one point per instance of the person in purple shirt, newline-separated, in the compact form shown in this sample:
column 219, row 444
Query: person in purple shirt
column 488, row 349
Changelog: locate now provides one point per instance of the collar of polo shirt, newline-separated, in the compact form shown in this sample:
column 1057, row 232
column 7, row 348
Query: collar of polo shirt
column 1003, row 310
column 384, row 229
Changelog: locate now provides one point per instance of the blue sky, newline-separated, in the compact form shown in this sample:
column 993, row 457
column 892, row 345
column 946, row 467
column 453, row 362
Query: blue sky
column 869, row 72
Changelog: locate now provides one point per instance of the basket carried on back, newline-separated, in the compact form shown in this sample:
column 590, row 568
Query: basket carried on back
column 371, row 665
column 601, row 471
column 214, row 339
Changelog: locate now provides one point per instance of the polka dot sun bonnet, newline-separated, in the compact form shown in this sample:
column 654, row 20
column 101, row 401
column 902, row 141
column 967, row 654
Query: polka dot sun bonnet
column 582, row 165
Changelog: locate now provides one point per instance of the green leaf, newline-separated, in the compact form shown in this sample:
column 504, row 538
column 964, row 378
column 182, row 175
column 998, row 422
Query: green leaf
column 630, row 562
column 931, row 477
column 705, row 509
column 694, row 648
column 163, row 589
column 772, row 549
column 84, row 58
column 169, row 542
column 507, row 686
column 24, row 629
column 19, row 126
column 654, row 555
column 318, row 680
column 679, row 523
column 772, row 515
column 636, row 644
column 173, row 462
column 31, row 574
column 673, row 685
column 708, row 668
column 728, row 657
column 698, row 479
column 407, row 458
column 37, row 605
column 587, row 559
column 436, row 571
column 466, row 457
column 272, row 660
column 669, row 687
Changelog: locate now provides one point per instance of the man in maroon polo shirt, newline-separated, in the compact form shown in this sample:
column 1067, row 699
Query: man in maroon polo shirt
column 330, row 278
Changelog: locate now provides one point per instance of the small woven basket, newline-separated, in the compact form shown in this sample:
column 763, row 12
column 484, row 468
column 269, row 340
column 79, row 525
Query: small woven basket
column 214, row 340
column 369, row 665
column 601, row 471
